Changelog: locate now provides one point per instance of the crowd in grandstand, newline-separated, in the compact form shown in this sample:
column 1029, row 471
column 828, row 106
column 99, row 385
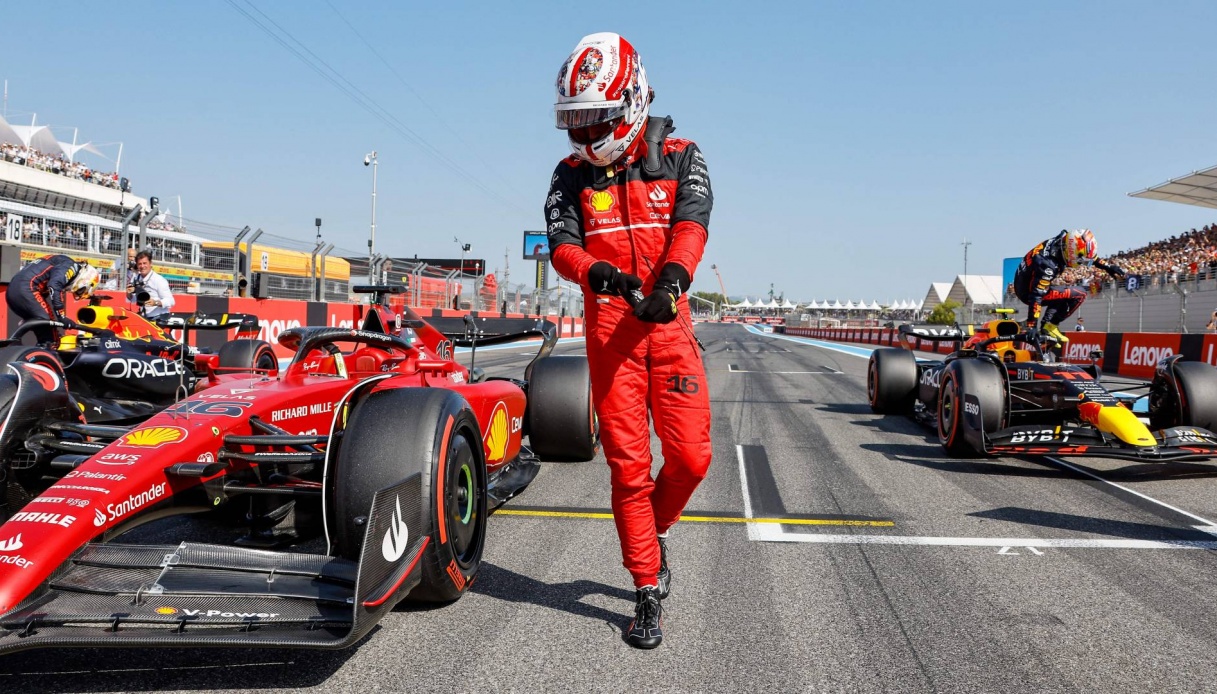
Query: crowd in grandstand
column 28, row 156
column 1187, row 256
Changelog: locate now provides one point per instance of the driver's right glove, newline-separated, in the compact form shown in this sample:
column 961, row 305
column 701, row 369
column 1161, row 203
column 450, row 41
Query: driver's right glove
column 604, row 278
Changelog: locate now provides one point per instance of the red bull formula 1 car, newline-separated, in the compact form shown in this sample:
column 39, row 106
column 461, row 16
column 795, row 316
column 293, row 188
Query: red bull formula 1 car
column 1002, row 393
column 364, row 474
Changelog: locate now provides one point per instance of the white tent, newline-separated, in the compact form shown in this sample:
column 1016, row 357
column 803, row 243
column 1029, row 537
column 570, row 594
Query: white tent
column 976, row 290
column 874, row 306
column 937, row 294
column 787, row 304
column 744, row 304
column 849, row 305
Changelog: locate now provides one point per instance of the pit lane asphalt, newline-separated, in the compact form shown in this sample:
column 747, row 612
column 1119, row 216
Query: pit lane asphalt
column 754, row 606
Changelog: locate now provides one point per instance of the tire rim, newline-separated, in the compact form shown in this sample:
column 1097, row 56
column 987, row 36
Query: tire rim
column 465, row 503
column 266, row 361
column 871, row 383
column 946, row 412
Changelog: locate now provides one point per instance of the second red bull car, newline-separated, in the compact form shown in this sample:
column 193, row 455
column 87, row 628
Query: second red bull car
column 1001, row 393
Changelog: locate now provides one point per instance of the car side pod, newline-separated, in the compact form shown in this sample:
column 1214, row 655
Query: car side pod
column 1118, row 421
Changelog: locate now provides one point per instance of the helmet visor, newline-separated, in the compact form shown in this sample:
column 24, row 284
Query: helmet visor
column 569, row 119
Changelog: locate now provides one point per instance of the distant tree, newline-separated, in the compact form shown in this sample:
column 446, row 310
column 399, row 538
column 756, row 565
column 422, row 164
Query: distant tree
column 944, row 313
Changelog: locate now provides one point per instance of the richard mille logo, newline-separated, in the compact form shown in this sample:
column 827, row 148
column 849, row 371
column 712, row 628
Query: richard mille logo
column 394, row 544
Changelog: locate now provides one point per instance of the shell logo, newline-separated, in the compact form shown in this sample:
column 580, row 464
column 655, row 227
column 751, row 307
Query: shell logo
column 602, row 201
column 166, row 610
column 497, row 435
column 153, row 437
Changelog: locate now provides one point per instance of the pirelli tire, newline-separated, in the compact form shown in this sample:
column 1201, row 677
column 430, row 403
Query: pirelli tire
column 891, row 381
column 30, row 355
column 1189, row 399
column 963, row 383
column 247, row 355
column 392, row 435
column 561, row 421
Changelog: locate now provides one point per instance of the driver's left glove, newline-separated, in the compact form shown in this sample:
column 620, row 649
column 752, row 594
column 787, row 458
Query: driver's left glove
column 660, row 305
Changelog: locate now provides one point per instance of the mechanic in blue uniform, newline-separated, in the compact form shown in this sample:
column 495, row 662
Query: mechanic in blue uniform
column 1048, row 304
column 37, row 291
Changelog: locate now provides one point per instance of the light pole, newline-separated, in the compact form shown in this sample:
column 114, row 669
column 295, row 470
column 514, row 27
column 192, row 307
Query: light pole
column 965, row 245
column 370, row 158
column 465, row 248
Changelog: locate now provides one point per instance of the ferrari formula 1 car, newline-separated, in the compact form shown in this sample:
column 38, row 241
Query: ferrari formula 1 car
column 1001, row 392
column 363, row 475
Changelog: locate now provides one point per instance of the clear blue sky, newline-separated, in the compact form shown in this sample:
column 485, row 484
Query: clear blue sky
column 852, row 145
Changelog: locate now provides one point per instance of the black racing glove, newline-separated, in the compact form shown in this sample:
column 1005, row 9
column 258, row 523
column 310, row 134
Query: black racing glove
column 1114, row 271
column 660, row 304
column 605, row 278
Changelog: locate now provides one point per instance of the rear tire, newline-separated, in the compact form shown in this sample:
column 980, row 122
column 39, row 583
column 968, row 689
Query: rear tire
column 561, row 420
column 247, row 355
column 30, row 355
column 891, row 381
column 392, row 435
column 962, row 378
column 1192, row 404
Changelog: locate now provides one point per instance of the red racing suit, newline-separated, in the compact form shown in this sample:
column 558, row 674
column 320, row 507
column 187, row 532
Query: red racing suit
column 649, row 209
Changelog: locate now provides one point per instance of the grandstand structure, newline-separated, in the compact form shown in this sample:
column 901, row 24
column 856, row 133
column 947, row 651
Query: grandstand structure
column 52, row 203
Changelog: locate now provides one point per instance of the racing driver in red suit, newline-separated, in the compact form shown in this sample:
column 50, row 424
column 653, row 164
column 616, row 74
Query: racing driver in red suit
column 627, row 218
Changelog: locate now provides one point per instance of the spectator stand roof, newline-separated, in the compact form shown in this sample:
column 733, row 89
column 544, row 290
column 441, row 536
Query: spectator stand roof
column 41, row 138
column 1196, row 188
column 936, row 295
column 976, row 290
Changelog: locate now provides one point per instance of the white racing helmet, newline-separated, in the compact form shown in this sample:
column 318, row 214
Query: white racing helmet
column 603, row 98
column 85, row 282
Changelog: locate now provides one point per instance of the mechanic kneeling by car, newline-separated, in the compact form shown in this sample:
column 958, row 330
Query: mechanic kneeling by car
column 627, row 218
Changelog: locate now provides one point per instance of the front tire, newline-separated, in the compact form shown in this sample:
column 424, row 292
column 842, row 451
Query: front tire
column 1191, row 401
column 391, row 436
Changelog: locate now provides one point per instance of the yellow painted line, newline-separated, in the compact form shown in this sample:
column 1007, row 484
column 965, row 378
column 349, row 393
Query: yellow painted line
column 705, row 519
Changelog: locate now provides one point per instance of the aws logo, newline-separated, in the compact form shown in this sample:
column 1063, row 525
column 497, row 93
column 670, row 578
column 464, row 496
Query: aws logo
column 602, row 201
column 153, row 438
column 497, row 434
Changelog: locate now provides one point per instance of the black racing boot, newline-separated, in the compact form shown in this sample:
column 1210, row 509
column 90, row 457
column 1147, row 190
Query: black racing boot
column 644, row 630
column 665, row 576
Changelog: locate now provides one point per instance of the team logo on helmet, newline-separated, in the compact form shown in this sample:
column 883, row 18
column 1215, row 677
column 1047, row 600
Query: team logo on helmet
column 602, row 201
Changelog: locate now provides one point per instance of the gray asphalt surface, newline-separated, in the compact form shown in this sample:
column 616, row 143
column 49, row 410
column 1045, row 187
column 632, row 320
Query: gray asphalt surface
column 896, row 569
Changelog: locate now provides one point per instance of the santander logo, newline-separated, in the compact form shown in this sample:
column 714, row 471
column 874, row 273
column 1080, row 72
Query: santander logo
column 12, row 544
column 1145, row 355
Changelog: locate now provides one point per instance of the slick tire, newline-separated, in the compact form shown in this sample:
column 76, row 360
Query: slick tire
column 247, row 355
column 392, row 435
column 1193, row 403
column 561, row 422
column 891, row 381
column 962, row 378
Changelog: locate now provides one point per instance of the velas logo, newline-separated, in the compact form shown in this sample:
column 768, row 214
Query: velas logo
column 394, row 543
column 496, row 434
column 602, row 201
column 153, row 437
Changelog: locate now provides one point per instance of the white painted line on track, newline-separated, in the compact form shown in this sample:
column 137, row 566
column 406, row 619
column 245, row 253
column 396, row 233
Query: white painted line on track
column 1208, row 525
column 753, row 528
column 775, row 533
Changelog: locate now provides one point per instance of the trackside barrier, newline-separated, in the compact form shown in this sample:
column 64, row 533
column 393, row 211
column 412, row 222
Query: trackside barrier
column 1126, row 354
column 277, row 315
